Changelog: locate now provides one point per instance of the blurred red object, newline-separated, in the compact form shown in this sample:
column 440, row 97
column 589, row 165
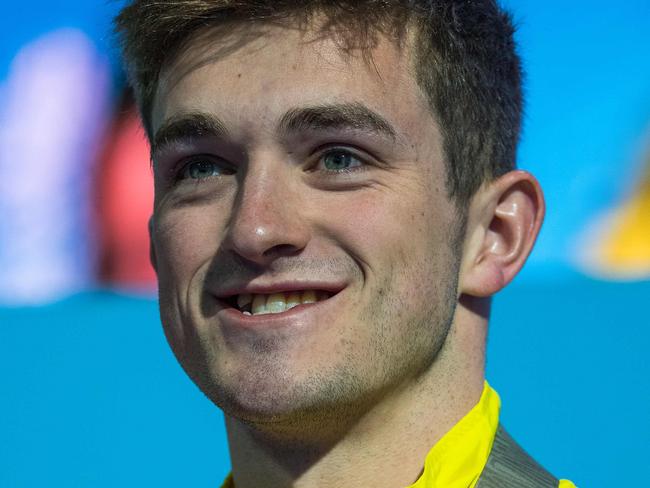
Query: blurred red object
column 125, row 205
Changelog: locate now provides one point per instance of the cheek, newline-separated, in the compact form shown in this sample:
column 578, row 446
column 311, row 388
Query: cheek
column 183, row 240
column 402, row 243
column 400, row 227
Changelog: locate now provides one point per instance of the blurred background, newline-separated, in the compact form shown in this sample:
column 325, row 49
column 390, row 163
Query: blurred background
column 91, row 395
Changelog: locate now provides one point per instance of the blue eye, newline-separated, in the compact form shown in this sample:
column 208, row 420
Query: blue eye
column 201, row 169
column 340, row 161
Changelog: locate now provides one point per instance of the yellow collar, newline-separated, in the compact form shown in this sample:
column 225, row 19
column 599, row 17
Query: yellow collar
column 456, row 461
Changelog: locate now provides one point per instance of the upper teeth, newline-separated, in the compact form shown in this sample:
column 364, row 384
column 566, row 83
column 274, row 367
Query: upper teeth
column 277, row 302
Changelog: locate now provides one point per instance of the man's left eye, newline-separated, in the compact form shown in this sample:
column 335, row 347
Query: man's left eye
column 339, row 161
column 202, row 168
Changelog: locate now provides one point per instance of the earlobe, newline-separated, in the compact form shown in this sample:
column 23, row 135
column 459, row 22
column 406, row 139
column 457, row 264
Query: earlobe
column 504, row 220
column 152, row 250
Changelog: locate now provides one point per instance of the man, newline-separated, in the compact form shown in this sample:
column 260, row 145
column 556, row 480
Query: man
column 335, row 204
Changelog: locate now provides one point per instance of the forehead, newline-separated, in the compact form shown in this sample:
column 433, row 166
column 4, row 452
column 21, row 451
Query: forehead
column 263, row 70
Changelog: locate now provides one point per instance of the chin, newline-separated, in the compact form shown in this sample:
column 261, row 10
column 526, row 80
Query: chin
column 252, row 396
column 278, row 401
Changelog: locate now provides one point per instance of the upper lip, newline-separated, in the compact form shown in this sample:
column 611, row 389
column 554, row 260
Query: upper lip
column 279, row 287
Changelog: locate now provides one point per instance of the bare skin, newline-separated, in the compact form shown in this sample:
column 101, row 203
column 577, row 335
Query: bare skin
column 262, row 197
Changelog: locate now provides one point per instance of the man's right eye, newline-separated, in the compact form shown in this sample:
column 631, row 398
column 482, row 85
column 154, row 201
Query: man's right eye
column 202, row 168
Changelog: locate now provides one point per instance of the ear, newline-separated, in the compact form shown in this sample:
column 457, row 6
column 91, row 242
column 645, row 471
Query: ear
column 503, row 221
column 152, row 250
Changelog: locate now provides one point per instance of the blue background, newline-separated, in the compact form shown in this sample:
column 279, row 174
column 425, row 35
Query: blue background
column 93, row 397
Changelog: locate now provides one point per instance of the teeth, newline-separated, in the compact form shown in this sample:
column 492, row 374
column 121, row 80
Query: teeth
column 277, row 302
column 259, row 304
column 309, row 296
column 294, row 299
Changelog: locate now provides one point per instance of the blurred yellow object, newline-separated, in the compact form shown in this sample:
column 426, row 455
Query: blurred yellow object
column 625, row 248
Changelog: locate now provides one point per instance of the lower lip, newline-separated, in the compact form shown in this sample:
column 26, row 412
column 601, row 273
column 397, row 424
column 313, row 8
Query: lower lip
column 293, row 317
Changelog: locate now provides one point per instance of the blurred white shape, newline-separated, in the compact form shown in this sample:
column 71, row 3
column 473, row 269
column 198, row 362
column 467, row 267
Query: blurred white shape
column 54, row 106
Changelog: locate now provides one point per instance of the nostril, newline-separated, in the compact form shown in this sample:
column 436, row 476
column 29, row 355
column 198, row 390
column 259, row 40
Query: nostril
column 280, row 250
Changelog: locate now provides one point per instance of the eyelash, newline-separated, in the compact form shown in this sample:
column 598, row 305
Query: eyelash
column 176, row 172
column 322, row 152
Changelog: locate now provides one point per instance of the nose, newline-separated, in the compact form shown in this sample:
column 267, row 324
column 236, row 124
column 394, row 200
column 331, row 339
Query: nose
column 266, row 221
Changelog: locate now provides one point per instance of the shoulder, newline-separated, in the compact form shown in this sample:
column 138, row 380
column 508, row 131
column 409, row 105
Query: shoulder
column 510, row 466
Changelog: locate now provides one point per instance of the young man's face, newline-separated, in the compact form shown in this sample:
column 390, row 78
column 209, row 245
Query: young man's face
column 307, row 170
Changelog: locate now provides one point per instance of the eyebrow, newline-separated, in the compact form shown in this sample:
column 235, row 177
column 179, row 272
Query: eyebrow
column 351, row 116
column 344, row 116
column 186, row 126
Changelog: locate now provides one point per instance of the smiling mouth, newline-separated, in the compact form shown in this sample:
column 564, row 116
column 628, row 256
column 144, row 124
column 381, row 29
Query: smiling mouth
column 261, row 303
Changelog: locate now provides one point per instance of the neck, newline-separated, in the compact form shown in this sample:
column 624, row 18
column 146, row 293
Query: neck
column 394, row 435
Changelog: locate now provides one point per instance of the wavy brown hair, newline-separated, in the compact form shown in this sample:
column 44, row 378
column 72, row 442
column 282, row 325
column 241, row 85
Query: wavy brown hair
column 465, row 62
